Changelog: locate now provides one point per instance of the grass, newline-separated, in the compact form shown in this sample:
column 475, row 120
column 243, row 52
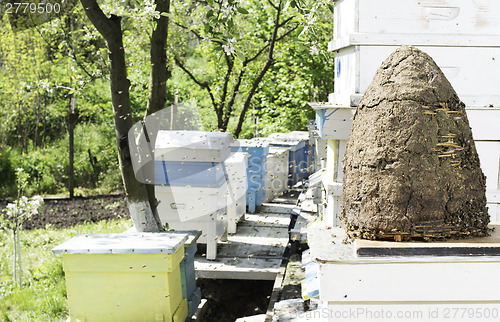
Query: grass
column 43, row 295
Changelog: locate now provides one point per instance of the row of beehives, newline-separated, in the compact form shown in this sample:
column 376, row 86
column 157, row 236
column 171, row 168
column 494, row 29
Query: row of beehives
column 461, row 36
column 206, row 181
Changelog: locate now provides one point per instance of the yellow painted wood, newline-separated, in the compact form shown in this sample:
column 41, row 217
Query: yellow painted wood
column 125, row 287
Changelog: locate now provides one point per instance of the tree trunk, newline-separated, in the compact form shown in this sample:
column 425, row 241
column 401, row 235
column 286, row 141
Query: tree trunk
column 159, row 74
column 71, row 132
column 137, row 196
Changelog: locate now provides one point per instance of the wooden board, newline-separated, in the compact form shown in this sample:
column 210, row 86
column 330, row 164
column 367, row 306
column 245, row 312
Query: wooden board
column 239, row 268
column 355, row 68
column 489, row 157
column 432, row 17
column 269, row 220
column 277, row 208
column 254, row 252
column 484, row 246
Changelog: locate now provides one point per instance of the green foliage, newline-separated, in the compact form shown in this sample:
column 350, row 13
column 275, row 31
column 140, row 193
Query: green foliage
column 48, row 167
column 7, row 174
column 42, row 68
column 44, row 296
column 225, row 46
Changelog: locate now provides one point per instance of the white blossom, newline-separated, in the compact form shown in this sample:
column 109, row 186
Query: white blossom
column 229, row 48
column 314, row 50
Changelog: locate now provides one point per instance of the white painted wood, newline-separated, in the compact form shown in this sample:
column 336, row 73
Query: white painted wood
column 328, row 176
column 465, row 17
column 277, row 208
column 335, row 189
column 407, row 312
column 494, row 211
column 443, row 40
column 254, row 252
column 356, row 65
column 332, row 211
column 238, row 268
column 182, row 203
column 251, row 234
column 236, row 168
column 384, row 282
column 276, row 172
column 374, row 283
column 268, row 219
column 339, row 177
column 320, row 154
column 489, row 157
column 485, row 123
column 213, row 227
column 139, row 243
column 335, row 123
column 197, row 146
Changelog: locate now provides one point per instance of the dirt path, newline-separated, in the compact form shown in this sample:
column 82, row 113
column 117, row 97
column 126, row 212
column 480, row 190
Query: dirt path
column 65, row 212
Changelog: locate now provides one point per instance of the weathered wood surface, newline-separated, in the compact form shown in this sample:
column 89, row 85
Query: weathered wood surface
column 481, row 246
column 255, row 251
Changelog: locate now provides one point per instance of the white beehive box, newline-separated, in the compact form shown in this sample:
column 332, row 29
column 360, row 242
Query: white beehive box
column 443, row 17
column 462, row 36
column 366, row 288
column 472, row 71
column 485, row 124
column 333, row 122
column 197, row 146
column 236, row 166
column 195, row 208
column 276, row 172
column 431, row 17
column 183, row 203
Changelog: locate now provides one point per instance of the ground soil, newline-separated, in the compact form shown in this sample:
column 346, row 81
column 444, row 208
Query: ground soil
column 227, row 300
column 65, row 212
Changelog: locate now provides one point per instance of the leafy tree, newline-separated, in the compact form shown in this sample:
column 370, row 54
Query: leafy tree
column 303, row 72
column 238, row 44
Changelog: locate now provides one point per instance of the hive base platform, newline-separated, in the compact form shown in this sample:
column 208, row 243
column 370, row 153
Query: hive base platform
column 255, row 252
column 413, row 281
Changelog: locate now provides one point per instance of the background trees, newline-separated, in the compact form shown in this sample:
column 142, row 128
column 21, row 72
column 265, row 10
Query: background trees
column 267, row 58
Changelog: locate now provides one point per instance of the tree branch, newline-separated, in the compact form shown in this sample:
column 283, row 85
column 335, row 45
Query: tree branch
column 227, row 77
column 249, row 60
column 265, row 68
column 99, row 19
column 188, row 29
column 273, row 5
column 193, row 78
column 230, row 105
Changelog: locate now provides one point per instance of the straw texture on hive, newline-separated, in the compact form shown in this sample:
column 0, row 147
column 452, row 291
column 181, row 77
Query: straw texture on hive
column 411, row 168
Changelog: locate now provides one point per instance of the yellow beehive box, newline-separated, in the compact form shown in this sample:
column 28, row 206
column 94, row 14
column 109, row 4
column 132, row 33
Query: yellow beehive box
column 124, row 277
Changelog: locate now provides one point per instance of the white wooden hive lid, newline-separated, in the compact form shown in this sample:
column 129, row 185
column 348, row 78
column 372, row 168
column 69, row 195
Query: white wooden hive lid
column 193, row 140
column 139, row 243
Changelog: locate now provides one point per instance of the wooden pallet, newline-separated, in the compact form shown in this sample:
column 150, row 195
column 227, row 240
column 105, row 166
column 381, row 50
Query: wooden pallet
column 254, row 252
column 478, row 246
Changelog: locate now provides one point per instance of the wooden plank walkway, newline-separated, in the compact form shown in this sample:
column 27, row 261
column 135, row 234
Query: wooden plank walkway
column 256, row 251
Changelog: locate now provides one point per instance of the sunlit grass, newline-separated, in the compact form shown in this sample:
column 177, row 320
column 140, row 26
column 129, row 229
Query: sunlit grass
column 43, row 295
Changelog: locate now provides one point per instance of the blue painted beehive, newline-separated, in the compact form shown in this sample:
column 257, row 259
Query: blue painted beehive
column 193, row 174
column 297, row 159
column 257, row 150
column 302, row 162
column 190, row 291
